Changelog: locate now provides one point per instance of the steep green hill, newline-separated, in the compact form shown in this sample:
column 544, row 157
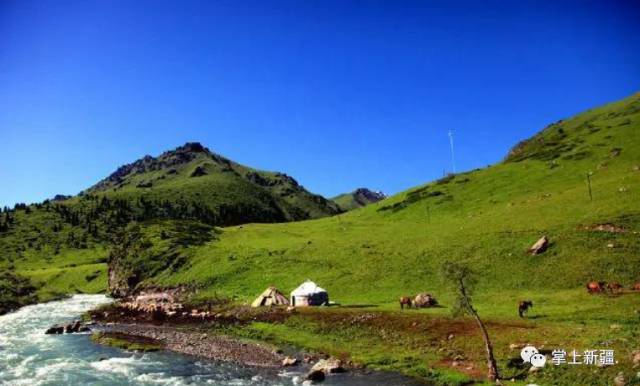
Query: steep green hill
column 486, row 217
column 358, row 198
column 192, row 173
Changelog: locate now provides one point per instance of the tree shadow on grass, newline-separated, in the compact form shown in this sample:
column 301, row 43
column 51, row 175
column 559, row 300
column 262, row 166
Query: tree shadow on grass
column 535, row 317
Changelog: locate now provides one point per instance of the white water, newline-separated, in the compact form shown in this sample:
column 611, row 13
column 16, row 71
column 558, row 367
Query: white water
column 29, row 357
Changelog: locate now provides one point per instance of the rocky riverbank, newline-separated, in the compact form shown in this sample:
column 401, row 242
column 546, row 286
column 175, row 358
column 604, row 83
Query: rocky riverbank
column 198, row 333
column 201, row 344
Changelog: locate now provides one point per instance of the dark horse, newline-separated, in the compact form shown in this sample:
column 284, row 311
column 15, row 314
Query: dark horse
column 405, row 301
column 524, row 307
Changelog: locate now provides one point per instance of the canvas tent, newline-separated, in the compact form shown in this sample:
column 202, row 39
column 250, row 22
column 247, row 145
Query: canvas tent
column 270, row 297
column 309, row 294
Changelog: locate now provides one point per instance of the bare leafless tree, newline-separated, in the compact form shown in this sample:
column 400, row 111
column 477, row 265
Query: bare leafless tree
column 463, row 280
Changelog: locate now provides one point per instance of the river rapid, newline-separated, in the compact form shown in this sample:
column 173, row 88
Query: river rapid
column 29, row 357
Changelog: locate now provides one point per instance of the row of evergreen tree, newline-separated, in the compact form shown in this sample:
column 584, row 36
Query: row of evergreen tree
column 100, row 215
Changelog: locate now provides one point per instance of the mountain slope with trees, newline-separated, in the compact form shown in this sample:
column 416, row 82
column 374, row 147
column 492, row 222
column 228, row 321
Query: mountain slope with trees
column 62, row 244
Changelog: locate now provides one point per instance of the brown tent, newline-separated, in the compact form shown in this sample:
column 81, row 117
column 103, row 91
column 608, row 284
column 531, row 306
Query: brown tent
column 270, row 297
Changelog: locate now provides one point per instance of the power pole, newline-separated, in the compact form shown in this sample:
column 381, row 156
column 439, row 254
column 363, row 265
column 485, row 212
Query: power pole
column 453, row 158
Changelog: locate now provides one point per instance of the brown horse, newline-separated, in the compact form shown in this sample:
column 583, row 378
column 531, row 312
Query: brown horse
column 635, row 287
column 614, row 286
column 524, row 307
column 596, row 287
column 405, row 301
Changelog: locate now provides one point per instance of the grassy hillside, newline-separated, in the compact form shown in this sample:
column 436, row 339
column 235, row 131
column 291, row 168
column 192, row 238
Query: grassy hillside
column 357, row 199
column 486, row 217
column 192, row 173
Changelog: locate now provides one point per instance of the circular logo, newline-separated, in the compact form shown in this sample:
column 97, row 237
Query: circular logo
column 538, row 360
column 527, row 352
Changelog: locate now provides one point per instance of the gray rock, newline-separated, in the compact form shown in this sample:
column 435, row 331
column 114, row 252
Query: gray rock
column 329, row 366
column 57, row 329
column 315, row 376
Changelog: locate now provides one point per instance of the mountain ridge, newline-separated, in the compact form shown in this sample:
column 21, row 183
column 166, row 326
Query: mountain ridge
column 358, row 198
column 194, row 166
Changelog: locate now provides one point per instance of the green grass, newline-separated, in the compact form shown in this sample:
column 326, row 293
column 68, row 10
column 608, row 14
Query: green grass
column 125, row 342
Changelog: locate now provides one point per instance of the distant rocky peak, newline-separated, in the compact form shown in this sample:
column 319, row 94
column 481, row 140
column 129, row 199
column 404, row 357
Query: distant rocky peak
column 192, row 147
column 370, row 195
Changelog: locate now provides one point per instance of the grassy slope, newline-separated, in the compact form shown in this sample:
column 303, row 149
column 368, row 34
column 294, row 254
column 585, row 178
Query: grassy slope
column 486, row 217
column 272, row 196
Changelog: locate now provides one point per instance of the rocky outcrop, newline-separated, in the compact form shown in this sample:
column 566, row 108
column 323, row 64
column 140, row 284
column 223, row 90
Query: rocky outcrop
column 315, row 376
column 121, row 280
column 289, row 361
column 155, row 302
column 68, row 328
column 324, row 367
column 329, row 366
column 540, row 246
column 366, row 196
column 199, row 171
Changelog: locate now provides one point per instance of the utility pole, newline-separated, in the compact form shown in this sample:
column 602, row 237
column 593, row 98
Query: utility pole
column 453, row 158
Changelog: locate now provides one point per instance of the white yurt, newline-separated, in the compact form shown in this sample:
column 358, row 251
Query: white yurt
column 309, row 294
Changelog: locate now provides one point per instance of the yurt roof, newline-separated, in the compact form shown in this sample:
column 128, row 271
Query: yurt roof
column 272, row 292
column 307, row 288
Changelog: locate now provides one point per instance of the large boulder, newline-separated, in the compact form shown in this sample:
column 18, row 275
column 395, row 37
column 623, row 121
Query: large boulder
column 72, row 327
column 315, row 376
column 329, row 366
column 57, row 329
column 424, row 300
column 540, row 246
column 289, row 361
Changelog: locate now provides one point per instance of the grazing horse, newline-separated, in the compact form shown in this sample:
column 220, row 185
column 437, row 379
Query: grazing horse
column 596, row 287
column 614, row 286
column 524, row 307
column 405, row 301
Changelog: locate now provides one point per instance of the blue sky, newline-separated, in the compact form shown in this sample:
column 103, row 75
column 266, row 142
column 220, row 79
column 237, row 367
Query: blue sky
column 337, row 94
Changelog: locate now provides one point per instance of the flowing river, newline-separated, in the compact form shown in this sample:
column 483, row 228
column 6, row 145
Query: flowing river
column 29, row 357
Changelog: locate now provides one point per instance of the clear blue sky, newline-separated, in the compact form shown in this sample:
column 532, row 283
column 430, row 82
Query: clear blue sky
column 337, row 94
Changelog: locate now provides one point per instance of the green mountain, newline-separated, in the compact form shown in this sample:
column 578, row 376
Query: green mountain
column 62, row 243
column 192, row 173
column 358, row 198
